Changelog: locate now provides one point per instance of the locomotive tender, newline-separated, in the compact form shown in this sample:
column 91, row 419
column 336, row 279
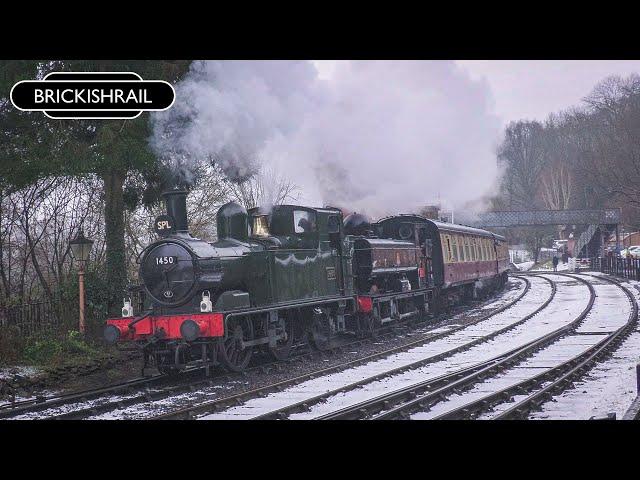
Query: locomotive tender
column 291, row 275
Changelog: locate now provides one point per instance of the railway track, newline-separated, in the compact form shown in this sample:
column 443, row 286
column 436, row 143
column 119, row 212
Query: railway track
column 419, row 395
column 219, row 404
column 574, row 368
column 535, row 389
column 39, row 403
column 359, row 409
column 77, row 405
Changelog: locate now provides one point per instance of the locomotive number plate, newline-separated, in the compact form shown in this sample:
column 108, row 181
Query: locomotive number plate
column 331, row 273
column 167, row 260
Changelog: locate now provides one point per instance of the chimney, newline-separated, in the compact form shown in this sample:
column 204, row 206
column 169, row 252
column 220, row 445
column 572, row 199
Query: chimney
column 176, row 201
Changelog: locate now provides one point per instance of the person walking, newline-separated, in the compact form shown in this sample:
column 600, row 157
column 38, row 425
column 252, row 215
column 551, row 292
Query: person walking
column 555, row 263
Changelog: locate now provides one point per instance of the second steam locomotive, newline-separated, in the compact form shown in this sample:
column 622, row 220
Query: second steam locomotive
column 291, row 275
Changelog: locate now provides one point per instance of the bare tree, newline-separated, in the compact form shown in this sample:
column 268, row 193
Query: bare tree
column 556, row 187
column 522, row 155
column 608, row 133
column 36, row 226
column 264, row 188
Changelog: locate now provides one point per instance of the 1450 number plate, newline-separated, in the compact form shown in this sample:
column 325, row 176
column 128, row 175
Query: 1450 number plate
column 167, row 260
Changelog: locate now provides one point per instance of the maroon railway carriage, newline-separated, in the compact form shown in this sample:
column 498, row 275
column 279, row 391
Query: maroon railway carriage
column 459, row 259
column 470, row 254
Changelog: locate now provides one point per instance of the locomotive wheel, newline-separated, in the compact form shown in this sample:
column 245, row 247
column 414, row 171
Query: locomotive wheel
column 232, row 356
column 282, row 350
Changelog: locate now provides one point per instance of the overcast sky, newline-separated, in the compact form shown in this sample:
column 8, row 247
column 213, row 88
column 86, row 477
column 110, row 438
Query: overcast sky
column 531, row 89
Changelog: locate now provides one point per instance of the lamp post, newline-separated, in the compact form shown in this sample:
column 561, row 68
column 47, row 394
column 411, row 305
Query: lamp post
column 80, row 249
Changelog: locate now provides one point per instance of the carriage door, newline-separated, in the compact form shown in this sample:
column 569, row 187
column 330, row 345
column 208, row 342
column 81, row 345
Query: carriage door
column 425, row 274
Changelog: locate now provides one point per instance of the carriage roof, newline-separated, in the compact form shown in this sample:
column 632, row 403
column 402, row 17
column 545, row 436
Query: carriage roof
column 448, row 227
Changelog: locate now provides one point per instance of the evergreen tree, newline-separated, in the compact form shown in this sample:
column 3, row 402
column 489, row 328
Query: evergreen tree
column 33, row 146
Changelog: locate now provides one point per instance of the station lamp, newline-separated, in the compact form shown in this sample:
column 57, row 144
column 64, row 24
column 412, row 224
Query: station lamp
column 80, row 249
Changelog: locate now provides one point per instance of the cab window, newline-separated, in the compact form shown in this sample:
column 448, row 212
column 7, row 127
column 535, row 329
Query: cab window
column 260, row 226
column 304, row 221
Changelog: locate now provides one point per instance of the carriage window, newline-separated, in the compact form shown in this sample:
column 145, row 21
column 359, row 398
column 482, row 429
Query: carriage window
column 465, row 250
column 454, row 247
column 443, row 242
column 304, row 221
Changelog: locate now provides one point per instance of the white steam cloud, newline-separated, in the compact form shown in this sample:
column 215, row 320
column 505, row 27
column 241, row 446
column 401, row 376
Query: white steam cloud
column 377, row 136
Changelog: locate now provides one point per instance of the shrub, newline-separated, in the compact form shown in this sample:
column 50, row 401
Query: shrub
column 58, row 350
column 11, row 345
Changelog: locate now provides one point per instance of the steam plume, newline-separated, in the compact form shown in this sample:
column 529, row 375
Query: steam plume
column 378, row 136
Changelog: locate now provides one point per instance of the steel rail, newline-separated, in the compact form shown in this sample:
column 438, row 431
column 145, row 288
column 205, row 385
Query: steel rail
column 559, row 376
column 584, row 362
column 235, row 399
column 42, row 403
column 422, row 395
column 304, row 405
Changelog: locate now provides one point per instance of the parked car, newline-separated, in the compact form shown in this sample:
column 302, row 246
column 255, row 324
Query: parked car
column 631, row 252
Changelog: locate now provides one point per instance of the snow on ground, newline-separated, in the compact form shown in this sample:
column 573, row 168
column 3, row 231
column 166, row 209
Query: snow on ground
column 562, row 267
column 610, row 392
column 571, row 298
column 609, row 387
column 540, row 362
column 610, row 310
column 524, row 266
column 10, row 372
